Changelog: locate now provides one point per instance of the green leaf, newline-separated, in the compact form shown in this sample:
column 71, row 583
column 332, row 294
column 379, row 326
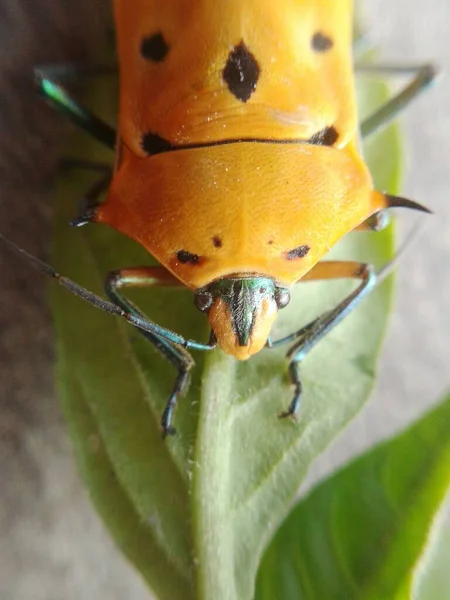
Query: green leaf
column 195, row 512
column 361, row 533
column 432, row 577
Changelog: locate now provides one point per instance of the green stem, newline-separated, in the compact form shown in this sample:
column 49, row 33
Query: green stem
column 213, row 537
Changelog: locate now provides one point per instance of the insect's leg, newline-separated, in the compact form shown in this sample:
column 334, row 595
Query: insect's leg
column 88, row 203
column 422, row 77
column 65, row 103
column 48, row 78
column 376, row 222
column 308, row 336
column 180, row 358
column 67, row 73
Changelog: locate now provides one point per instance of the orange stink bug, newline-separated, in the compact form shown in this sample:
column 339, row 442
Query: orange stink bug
column 238, row 166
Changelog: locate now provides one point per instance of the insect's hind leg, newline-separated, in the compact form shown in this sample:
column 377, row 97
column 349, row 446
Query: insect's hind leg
column 48, row 83
column 308, row 336
column 422, row 77
column 178, row 356
column 49, row 78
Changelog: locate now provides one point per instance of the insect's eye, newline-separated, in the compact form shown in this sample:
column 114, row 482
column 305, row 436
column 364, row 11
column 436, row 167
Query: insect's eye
column 282, row 297
column 203, row 301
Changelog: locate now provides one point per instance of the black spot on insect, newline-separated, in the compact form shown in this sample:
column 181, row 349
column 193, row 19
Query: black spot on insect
column 270, row 242
column 299, row 252
column 187, row 257
column 154, row 47
column 241, row 72
column 321, row 42
column 326, row 137
column 217, row 242
column 152, row 143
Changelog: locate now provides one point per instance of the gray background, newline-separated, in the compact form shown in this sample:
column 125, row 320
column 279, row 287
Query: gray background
column 52, row 545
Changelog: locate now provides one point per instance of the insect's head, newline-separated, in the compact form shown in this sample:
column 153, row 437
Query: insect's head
column 241, row 311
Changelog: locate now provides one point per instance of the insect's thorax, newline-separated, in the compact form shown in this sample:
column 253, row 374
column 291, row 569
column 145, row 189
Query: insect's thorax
column 273, row 209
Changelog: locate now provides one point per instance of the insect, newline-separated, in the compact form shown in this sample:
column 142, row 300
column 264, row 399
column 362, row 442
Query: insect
column 238, row 166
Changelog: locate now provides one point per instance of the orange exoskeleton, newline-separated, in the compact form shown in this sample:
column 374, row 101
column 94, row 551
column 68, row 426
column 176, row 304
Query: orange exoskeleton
column 238, row 164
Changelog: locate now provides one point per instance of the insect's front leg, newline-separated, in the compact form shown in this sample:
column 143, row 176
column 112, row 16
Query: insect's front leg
column 178, row 356
column 308, row 336
column 173, row 346
column 294, row 406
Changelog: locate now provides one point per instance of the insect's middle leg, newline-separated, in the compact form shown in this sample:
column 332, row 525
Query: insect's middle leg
column 308, row 336
column 88, row 204
column 178, row 356
column 376, row 222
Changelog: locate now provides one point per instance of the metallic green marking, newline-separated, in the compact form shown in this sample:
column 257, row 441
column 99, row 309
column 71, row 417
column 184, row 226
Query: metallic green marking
column 244, row 297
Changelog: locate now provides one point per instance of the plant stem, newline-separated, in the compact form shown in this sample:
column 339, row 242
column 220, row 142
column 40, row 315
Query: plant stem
column 210, row 499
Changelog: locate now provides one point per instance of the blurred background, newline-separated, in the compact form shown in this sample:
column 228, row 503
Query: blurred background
column 53, row 546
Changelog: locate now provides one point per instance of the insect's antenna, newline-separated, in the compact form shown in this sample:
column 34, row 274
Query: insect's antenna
column 82, row 292
column 387, row 269
column 69, row 284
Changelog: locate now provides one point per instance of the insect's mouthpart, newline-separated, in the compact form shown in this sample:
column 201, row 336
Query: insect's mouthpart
column 241, row 311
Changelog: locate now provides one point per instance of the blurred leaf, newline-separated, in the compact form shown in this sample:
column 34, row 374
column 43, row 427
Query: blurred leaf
column 361, row 533
column 432, row 577
column 194, row 513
